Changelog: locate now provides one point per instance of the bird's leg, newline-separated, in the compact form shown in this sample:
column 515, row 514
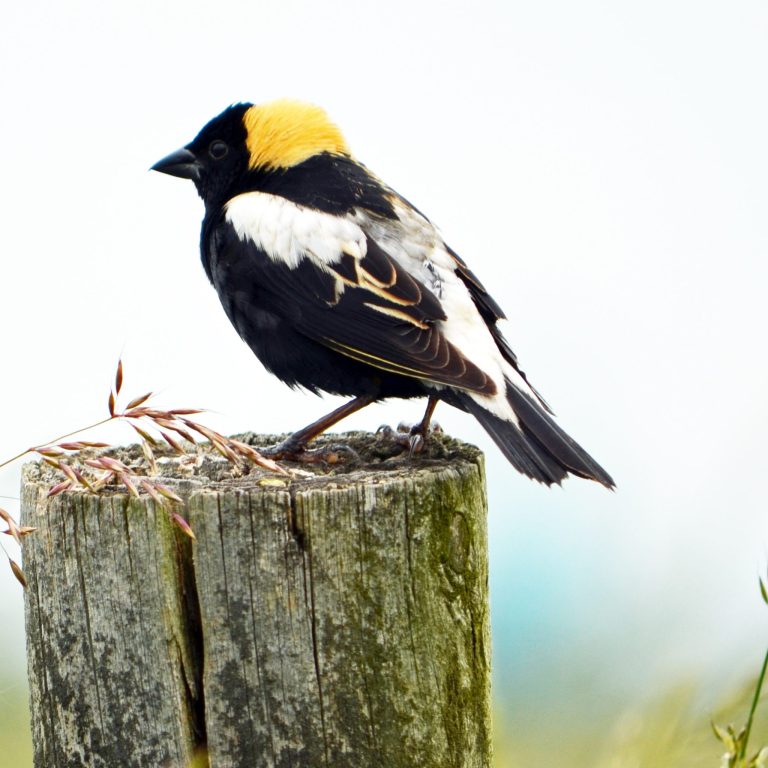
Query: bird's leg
column 294, row 446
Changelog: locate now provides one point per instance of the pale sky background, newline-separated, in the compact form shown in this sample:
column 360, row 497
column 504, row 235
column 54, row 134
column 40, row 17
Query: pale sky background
column 602, row 166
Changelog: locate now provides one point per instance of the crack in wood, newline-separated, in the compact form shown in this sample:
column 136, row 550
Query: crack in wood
column 192, row 627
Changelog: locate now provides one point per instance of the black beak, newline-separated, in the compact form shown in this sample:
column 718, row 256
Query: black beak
column 181, row 163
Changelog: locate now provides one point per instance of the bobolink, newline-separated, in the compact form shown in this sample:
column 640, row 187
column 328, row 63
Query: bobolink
column 340, row 285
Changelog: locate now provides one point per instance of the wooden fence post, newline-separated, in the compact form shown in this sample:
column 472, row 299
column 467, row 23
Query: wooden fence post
column 338, row 621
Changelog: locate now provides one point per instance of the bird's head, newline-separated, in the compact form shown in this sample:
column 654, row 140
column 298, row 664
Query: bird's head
column 247, row 143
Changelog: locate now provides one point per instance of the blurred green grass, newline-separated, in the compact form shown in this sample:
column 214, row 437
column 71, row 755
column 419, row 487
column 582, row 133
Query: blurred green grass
column 15, row 737
column 672, row 731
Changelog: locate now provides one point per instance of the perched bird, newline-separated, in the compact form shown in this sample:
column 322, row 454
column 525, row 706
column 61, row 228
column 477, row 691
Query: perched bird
column 338, row 284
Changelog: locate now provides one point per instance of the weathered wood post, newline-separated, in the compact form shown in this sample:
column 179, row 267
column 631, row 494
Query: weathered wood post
column 339, row 620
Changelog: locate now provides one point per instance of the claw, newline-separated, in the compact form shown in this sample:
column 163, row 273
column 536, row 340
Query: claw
column 416, row 444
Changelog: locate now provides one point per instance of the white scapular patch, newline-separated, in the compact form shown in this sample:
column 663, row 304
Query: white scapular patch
column 288, row 233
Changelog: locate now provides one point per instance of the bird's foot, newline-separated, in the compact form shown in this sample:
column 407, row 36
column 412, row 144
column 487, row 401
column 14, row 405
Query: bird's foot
column 287, row 450
column 411, row 436
column 293, row 450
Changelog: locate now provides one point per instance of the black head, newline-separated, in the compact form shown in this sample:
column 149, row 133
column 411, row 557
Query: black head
column 216, row 160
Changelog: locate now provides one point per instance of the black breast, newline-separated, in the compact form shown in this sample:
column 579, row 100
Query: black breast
column 263, row 300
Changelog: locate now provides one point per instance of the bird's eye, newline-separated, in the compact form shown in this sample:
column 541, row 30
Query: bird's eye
column 218, row 150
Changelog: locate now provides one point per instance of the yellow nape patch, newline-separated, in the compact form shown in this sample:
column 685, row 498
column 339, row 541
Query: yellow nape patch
column 284, row 133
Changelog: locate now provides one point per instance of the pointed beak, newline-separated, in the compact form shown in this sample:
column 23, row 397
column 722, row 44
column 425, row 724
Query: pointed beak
column 181, row 163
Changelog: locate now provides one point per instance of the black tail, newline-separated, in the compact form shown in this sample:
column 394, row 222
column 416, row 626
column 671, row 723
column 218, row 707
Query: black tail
column 538, row 448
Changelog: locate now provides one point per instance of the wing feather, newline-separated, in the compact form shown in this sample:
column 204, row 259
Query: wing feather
column 337, row 286
column 491, row 312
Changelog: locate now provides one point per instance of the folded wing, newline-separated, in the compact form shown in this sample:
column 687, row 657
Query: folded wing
column 337, row 286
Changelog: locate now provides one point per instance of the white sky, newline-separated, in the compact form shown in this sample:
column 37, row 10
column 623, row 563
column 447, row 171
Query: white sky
column 603, row 167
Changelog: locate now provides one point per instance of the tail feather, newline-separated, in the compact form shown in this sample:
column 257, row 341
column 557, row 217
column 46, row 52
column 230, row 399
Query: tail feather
column 538, row 448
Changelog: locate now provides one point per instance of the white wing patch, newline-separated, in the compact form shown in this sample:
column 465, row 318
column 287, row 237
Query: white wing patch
column 288, row 233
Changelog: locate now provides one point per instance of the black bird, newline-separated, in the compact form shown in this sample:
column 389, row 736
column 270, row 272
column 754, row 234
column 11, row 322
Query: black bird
column 340, row 285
